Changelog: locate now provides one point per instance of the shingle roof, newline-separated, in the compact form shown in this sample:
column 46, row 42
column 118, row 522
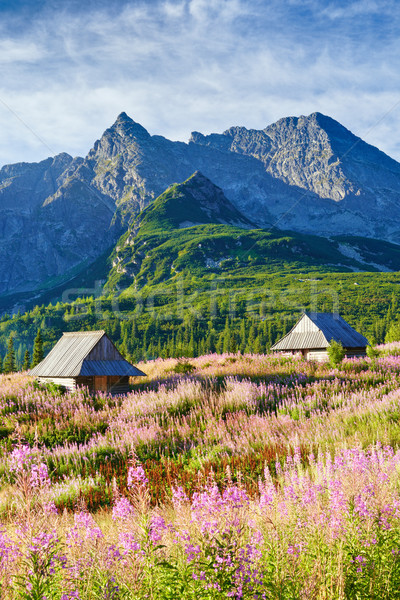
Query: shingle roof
column 317, row 332
column 67, row 358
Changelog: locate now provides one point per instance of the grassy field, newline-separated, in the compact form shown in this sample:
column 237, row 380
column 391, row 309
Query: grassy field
column 223, row 476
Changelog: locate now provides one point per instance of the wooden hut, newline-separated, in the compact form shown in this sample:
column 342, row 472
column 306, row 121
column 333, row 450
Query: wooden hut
column 313, row 333
column 87, row 358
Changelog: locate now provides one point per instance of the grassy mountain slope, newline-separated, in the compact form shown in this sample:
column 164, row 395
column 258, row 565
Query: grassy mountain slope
column 193, row 229
column 191, row 276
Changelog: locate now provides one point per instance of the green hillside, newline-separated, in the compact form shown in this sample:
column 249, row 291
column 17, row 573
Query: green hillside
column 193, row 229
column 191, row 276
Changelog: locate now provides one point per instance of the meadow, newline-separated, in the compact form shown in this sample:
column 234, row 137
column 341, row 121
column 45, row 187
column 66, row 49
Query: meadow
column 222, row 476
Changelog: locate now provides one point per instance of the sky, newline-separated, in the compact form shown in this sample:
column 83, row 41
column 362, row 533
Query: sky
column 68, row 68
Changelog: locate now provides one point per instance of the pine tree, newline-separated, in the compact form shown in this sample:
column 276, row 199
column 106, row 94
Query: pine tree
column 227, row 341
column 191, row 346
column 210, row 342
column 220, row 343
column 27, row 361
column 242, row 335
column 37, row 349
column 233, row 342
column 336, row 353
column 257, row 346
column 9, row 360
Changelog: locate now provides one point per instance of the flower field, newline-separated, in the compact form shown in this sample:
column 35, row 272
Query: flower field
column 254, row 477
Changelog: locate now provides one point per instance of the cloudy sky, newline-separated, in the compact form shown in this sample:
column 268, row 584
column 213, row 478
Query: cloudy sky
column 176, row 66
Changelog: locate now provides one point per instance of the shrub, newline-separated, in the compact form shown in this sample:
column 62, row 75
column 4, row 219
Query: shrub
column 336, row 353
column 183, row 367
column 372, row 352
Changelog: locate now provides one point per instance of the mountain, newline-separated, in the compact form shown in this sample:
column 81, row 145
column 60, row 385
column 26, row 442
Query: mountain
column 192, row 229
column 44, row 240
column 196, row 201
column 343, row 185
column 306, row 174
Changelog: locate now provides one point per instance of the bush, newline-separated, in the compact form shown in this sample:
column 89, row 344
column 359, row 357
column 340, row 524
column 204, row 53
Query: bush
column 372, row 352
column 183, row 367
column 336, row 353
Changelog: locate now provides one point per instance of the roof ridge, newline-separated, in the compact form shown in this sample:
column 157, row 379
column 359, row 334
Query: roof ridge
column 83, row 332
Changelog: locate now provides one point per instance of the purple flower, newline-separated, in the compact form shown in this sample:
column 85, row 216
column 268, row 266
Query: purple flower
column 85, row 528
column 50, row 508
column 157, row 528
column 20, row 458
column 129, row 542
column 179, row 496
column 136, row 478
column 39, row 476
column 192, row 551
column 122, row 509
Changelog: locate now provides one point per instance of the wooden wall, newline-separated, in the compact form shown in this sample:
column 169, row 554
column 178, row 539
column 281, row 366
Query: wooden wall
column 305, row 324
column 356, row 352
column 104, row 350
column 319, row 354
column 113, row 384
column 68, row 382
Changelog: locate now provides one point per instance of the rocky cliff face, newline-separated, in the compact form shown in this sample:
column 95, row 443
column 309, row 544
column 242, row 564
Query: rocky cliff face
column 308, row 174
column 46, row 234
column 341, row 184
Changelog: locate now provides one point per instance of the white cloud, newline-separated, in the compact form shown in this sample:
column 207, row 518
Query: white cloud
column 13, row 51
column 178, row 66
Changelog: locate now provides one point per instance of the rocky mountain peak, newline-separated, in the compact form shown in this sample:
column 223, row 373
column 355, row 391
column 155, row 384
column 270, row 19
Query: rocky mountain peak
column 125, row 126
column 306, row 173
column 199, row 179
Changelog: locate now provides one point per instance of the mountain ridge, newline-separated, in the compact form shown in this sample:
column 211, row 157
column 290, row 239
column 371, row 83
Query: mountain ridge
column 297, row 174
column 193, row 229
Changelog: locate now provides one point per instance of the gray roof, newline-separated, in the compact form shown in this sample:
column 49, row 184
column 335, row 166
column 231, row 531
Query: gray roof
column 67, row 358
column 110, row 367
column 317, row 330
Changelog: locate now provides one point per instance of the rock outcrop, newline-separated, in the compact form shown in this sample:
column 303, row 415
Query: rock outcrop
column 307, row 174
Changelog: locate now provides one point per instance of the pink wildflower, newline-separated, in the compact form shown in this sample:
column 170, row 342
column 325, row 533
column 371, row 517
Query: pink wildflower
column 136, row 478
column 122, row 509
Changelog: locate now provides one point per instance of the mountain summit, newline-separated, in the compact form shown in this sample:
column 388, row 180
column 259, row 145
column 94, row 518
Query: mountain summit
column 307, row 174
column 196, row 201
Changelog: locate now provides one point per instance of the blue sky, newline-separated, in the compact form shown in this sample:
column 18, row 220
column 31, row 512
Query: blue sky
column 176, row 66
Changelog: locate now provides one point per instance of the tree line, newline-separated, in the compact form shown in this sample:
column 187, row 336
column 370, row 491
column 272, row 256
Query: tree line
column 9, row 364
column 141, row 335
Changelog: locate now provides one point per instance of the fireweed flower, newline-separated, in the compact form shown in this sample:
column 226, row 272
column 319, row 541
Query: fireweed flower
column 122, row 509
column 294, row 549
column 50, row 508
column 129, row 543
column 179, row 496
column 84, row 529
column 9, row 551
column 43, row 541
column 157, row 528
column 20, row 459
column 349, row 497
column 136, row 479
column 39, row 476
column 192, row 551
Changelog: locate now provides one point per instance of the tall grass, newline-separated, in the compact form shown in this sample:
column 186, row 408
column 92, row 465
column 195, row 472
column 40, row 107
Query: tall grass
column 249, row 477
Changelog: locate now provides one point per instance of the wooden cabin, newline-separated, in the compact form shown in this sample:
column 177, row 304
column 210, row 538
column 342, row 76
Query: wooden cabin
column 86, row 358
column 313, row 333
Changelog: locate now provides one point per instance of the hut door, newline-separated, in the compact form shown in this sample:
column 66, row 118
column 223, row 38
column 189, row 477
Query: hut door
column 100, row 384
